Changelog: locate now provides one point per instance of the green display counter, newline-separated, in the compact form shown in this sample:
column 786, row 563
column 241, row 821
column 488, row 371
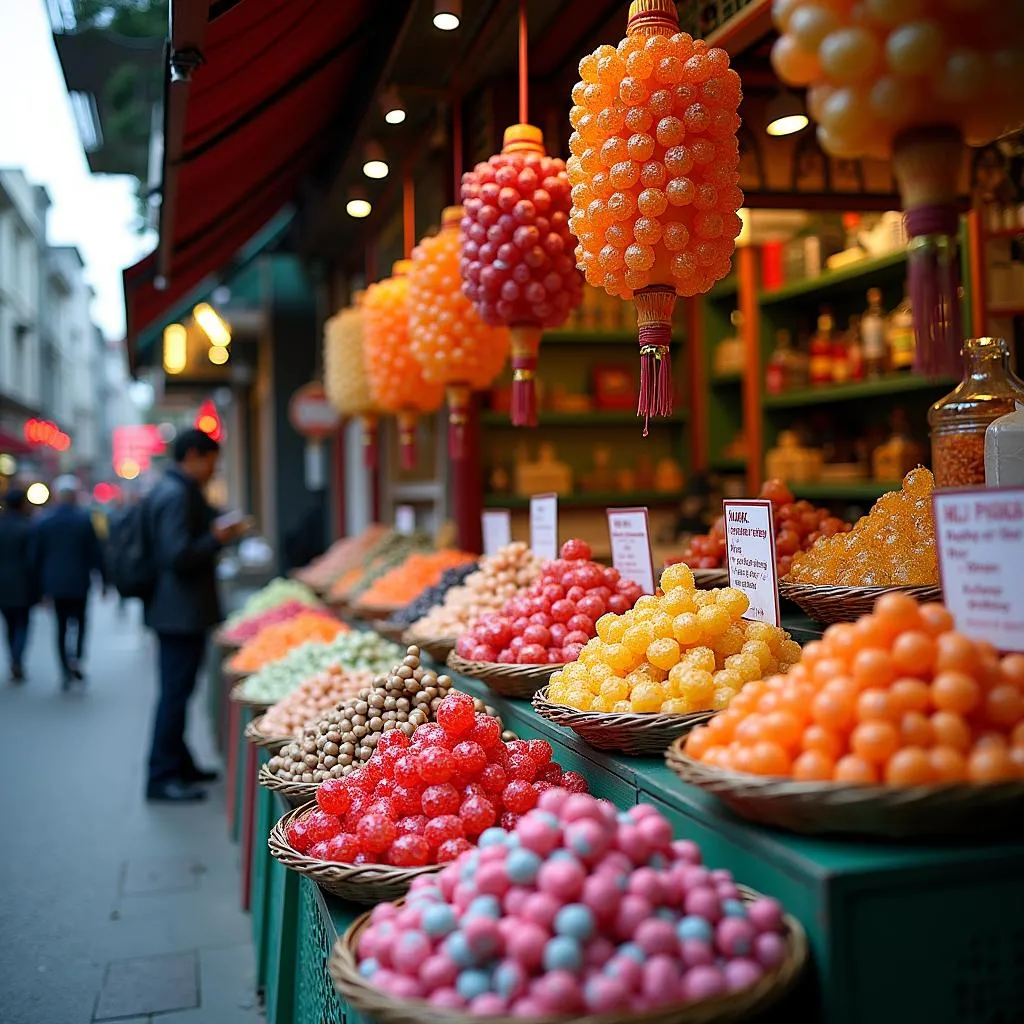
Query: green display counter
column 899, row 933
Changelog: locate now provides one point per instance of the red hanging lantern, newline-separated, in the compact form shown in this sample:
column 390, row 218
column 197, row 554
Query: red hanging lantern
column 517, row 265
column 455, row 348
column 654, row 170
column 395, row 377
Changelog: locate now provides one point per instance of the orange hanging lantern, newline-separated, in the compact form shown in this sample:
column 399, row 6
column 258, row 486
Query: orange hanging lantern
column 455, row 348
column 911, row 80
column 345, row 380
column 395, row 377
column 654, row 170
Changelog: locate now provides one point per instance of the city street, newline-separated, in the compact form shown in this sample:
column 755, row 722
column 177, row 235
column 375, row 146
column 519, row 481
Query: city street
column 111, row 908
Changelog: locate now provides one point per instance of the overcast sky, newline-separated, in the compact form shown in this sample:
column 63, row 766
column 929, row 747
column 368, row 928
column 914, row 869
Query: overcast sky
column 38, row 134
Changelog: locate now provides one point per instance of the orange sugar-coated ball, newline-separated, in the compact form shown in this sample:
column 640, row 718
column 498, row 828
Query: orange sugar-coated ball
column 813, row 766
column 910, row 766
column 853, row 768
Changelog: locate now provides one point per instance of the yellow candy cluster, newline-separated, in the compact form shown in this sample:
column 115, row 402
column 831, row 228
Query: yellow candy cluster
column 685, row 651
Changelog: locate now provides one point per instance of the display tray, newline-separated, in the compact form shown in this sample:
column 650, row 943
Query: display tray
column 371, row 612
column 845, row 604
column 296, row 793
column 239, row 697
column 360, row 993
column 367, row 884
column 521, row 681
column 821, row 808
column 258, row 738
column 389, row 630
column 438, row 647
column 640, row 735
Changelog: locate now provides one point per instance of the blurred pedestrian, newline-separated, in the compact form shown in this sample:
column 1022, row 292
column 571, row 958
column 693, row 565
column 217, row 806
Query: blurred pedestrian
column 184, row 539
column 19, row 585
column 116, row 517
column 68, row 554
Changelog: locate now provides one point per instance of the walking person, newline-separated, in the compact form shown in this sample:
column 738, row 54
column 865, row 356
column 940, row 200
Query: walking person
column 68, row 554
column 184, row 540
column 18, row 580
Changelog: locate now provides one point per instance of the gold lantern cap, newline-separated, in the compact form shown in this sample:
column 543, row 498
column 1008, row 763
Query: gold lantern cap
column 400, row 268
column 652, row 17
column 451, row 216
column 523, row 138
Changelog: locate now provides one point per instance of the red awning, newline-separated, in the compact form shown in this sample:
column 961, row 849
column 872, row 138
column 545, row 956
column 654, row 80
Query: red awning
column 11, row 445
column 277, row 79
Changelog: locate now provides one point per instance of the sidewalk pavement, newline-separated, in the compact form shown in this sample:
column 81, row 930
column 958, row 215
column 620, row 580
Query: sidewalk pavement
column 111, row 909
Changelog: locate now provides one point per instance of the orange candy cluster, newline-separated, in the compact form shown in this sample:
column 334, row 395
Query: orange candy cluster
column 899, row 698
column 400, row 585
column 894, row 545
column 654, row 164
column 446, row 335
column 278, row 639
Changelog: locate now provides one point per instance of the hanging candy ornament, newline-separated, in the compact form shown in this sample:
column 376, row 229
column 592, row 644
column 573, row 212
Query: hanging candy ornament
column 455, row 348
column 395, row 377
column 517, row 266
column 654, row 170
column 345, row 380
column 911, row 80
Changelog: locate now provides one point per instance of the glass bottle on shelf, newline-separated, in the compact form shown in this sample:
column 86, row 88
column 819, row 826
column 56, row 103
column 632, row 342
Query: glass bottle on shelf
column 872, row 335
column 854, row 349
column 777, row 373
column 958, row 422
column 1004, row 450
column 902, row 346
column 840, row 358
column 820, row 369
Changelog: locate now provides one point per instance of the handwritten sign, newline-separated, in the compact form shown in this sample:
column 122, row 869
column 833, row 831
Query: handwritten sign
column 496, row 526
column 405, row 519
column 631, row 545
column 750, row 546
column 980, row 537
column 544, row 525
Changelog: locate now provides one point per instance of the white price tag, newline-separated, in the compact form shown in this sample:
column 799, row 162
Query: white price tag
column 630, row 533
column 980, row 537
column 544, row 525
column 405, row 519
column 750, row 547
column 497, row 529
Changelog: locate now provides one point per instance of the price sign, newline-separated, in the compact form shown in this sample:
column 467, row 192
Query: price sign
column 750, row 546
column 544, row 525
column 980, row 537
column 631, row 545
column 497, row 529
column 405, row 519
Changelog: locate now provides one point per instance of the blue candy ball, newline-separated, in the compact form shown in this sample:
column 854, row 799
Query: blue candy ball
column 733, row 908
column 438, row 920
column 484, row 906
column 657, row 861
column 522, row 866
column 492, row 837
column 458, row 949
column 575, row 920
column 563, row 953
column 471, row 984
column 369, row 967
column 631, row 949
column 694, row 927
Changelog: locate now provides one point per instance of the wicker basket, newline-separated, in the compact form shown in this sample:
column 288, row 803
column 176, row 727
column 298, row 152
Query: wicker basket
column 437, row 647
column 258, row 738
column 359, row 883
column 372, row 612
column 296, row 793
column 641, row 735
column 239, row 697
column 813, row 808
column 846, row 604
column 384, row 1009
column 521, row 681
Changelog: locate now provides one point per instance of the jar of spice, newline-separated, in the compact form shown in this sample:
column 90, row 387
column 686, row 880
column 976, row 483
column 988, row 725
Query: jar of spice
column 958, row 422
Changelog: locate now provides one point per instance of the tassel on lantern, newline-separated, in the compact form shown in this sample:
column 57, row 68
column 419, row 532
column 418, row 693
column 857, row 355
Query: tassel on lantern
column 525, row 346
column 458, row 396
column 407, row 438
column 654, row 306
column 370, row 425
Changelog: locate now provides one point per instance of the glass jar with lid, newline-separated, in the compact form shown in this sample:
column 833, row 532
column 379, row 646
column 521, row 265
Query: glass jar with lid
column 958, row 422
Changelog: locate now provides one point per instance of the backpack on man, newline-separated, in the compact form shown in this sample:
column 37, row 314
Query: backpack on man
column 130, row 564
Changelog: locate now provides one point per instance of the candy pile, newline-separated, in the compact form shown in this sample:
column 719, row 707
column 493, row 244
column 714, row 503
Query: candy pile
column 341, row 556
column 552, row 621
column 581, row 909
column 362, row 649
column 276, row 640
column 424, row 799
column 393, row 549
column 433, row 596
column 313, row 698
column 798, row 525
column 898, row 697
column 500, row 576
column 275, row 593
column 245, row 630
column 892, row 546
column 689, row 650
column 412, row 577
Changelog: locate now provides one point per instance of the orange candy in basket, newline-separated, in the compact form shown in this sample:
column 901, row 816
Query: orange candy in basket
column 277, row 640
column 397, row 588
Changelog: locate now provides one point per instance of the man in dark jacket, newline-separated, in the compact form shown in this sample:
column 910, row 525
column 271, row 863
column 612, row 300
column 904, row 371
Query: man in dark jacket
column 185, row 540
column 18, row 582
column 68, row 552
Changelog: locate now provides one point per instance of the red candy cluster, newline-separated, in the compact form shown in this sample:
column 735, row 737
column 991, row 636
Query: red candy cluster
column 426, row 800
column 551, row 622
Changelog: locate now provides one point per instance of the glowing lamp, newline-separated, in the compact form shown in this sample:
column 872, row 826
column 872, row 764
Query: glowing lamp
column 175, row 348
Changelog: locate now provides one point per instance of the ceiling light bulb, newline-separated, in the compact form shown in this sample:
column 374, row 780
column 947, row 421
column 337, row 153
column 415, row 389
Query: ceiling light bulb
column 375, row 169
column 358, row 208
column 785, row 115
column 218, row 355
column 212, row 324
column 446, row 14
column 375, row 161
column 175, row 348
column 787, row 125
column 391, row 102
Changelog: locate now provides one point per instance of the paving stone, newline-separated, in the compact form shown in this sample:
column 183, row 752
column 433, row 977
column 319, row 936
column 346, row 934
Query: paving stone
column 149, row 985
column 161, row 874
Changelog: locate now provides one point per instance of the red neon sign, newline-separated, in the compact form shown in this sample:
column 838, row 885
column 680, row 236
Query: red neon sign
column 46, row 434
column 208, row 420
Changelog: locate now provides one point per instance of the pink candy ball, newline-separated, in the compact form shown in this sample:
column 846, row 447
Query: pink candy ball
column 527, row 1009
column 696, row 953
column 633, row 911
column 563, row 879
column 588, row 839
column 465, row 893
column 580, row 806
column 627, row 970
column 514, row 900
column 492, row 878
column 558, row 992
column 742, row 973
column 538, row 835
column 447, row 998
column 701, row 983
column 656, row 936
column 647, row 882
column 598, row 952
column 687, row 851
column 553, row 799
column 734, row 936
column 657, row 832
column 383, row 911
column 438, row 971
column 603, row 994
column 409, row 952
column 696, row 877
column 601, row 895
column 404, row 987
column 526, row 944
column 727, row 891
column 482, row 936
column 769, row 949
column 409, row 919
column 493, row 853
column 630, row 840
column 765, row 914
column 541, row 908
column 704, row 902
column 660, row 983
column 488, row 1005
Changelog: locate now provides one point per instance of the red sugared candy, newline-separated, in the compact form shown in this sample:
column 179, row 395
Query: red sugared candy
column 333, row 796
column 409, row 851
column 456, row 714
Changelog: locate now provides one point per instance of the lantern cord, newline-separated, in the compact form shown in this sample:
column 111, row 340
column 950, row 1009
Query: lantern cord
column 524, row 72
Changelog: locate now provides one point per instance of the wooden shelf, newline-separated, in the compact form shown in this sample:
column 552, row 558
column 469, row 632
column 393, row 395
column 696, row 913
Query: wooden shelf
column 725, row 380
column 583, row 500
column 590, row 337
column 1005, row 310
column 891, row 384
column 608, row 418
column 852, row 490
column 852, row 274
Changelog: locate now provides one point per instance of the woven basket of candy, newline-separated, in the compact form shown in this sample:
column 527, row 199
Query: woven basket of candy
column 371, row 612
column 521, row 681
column 896, row 812
column 367, row 884
column 845, row 604
column 238, row 696
column 640, row 734
column 389, row 630
column 222, row 639
column 296, row 793
column 255, row 734
column 437, row 647
column 384, row 1008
